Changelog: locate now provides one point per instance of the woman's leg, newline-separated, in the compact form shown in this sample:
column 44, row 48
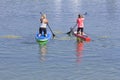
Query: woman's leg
column 78, row 29
column 40, row 31
column 81, row 31
column 45, row 32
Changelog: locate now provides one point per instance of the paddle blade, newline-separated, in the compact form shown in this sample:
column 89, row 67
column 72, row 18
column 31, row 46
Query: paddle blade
column 85, row 13
column 68, row 32
column 71, row 30
column 53, row 35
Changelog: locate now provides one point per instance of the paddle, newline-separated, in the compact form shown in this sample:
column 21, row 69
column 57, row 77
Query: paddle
column 51, row 31
column 71, row 29
column 49, row 28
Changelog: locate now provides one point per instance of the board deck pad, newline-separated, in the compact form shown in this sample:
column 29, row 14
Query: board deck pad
column 42, row 37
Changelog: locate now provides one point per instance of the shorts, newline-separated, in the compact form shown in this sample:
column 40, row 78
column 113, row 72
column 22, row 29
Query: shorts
column 79, row 29
column 42, row 30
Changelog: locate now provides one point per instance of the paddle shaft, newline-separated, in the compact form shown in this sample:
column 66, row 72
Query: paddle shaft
column 71, row 29
column 50, row 29
column 74, row 26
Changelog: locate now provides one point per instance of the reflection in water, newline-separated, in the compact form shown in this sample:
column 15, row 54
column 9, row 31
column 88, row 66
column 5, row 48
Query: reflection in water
column 79, row 49
column 43, row 50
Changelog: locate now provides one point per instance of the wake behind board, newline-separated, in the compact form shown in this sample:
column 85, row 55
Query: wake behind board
column 42, row 37
column 84, row 37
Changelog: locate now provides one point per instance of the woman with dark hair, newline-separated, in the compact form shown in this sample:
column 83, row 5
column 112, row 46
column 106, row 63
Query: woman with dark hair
column 80, row 23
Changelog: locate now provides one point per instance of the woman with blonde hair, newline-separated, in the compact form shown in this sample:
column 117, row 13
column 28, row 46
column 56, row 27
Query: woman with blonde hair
column 44, row 23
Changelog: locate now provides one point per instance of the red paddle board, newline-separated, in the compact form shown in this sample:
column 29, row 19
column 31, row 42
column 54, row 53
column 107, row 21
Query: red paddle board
column 84, row 36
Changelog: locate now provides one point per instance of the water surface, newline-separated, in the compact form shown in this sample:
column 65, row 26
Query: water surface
column 62, row 58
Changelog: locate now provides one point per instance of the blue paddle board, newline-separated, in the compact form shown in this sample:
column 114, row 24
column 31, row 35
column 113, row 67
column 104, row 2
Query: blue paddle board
column 42, row 37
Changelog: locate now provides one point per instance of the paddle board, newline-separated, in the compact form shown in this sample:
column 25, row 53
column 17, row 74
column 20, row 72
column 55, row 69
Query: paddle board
column 84, row 36
column 42, row 37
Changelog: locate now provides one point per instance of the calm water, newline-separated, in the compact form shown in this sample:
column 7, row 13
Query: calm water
column 22, row 58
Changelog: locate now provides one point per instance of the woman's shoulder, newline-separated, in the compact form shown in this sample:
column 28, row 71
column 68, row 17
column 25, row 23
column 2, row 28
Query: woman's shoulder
column 82, row 18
